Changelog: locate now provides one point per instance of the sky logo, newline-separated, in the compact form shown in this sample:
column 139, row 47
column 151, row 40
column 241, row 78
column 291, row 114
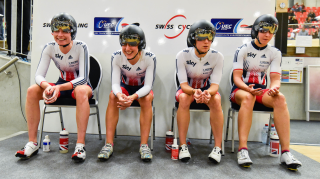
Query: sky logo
column 227, row 27
column 107, row 25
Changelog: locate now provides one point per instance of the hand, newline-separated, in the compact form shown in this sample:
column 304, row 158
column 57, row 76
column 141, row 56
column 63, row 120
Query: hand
column 50, row 94
column 124, row 101
column 206, row 96
column 274, row 91
column 197, row 95
column 255, row 92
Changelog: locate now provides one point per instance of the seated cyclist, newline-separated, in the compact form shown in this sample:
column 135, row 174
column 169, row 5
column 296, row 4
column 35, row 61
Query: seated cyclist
column 133, row 73
column 250, row 66
column 71, row 57
column 199, row 70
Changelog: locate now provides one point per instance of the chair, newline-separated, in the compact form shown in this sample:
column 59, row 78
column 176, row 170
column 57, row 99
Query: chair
column 95, row 77
column 193, row 108
column 258, row 108
column 135, row 105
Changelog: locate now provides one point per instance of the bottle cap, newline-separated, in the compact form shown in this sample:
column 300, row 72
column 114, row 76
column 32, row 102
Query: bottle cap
column 266, row 125
column 272, row 125
column 169, row 132
column 175, row 142
column 47, row 137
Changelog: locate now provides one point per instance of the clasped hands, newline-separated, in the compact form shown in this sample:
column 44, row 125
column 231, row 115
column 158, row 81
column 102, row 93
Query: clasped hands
column 202, row 96
column 124, row 101
column 50, row 94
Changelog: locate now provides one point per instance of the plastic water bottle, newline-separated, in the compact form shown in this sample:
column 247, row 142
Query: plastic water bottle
column 273, row 132
column 175, row 150
column 46, row 144
column 264, row 134
column 64, row 141
column 169, row 140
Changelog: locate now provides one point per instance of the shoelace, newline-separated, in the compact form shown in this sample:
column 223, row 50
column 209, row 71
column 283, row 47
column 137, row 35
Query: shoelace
column 106, row 148
column 145, row 150
column 243, row 154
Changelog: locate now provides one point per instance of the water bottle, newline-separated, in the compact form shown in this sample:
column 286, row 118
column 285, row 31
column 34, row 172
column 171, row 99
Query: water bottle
column 169, row 140
column 175, row 150
column 46, row 144
column 273, row 132
column 274, row 142
column 264, row 134
column 64, row 141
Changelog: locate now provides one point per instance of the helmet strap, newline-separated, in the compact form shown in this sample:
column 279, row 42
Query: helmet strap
column 134, row 56
column 200, row 53
column 65, row 45
column 258, row 40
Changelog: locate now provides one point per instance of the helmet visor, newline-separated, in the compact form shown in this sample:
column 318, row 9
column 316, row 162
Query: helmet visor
column 64, row 25
column 132, row 40
column 266, row 27
column 202, row 34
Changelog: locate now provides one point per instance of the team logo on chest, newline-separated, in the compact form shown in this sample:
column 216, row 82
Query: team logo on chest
column 70, row 57
column 126, row 67
column 189, row 62
column 138, row 69
column 58, row 56
column 251, row 55
column 263, row 56
column 206, row 64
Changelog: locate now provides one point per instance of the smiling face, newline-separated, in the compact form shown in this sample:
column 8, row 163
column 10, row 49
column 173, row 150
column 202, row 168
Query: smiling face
column 130, row 51
column 61, row 37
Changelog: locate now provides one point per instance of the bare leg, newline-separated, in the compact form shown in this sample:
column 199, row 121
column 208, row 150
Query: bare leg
column 281, row 117
column 183, row 116
column 82, row 93
column 145, row 117
column 246, row 101
column 216, row 119
column 112, row 117
column 34, row 95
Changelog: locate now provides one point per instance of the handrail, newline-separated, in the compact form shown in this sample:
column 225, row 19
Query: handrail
column 5, row 66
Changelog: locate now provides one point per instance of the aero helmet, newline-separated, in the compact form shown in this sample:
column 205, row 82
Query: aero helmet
column 65, row 22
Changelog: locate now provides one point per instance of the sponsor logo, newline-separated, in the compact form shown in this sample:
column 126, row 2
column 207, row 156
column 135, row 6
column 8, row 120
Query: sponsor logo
column 263, row 56
column 251, row 55
column 189, row 62
column 58, row 56
column 141, row 73
column 264, row 62
column 79, row 43
column 171, row 26
column 74, row 62
column 80, row 25
column 207, row 69
column 228, row 27
column 70, row 57
column 138, row 69
column 186, row 51
column 149, row 54
column 206, row 64
column 126, row 67
column 107, row 25
column 117, row 53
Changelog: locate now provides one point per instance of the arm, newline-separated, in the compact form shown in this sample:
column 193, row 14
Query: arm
column 84, row 67
column 216, row 75
column 275, row 70
column 182, row 75
column 149, row 79
column 115, row 75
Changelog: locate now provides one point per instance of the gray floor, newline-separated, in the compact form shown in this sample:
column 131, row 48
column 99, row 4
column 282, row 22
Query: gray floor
column 305, row 132
column 125, row 162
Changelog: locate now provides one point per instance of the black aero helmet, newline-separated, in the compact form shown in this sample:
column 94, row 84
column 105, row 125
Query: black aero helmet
column 65, row 22
column 265, row 22
column 133, row 35
column 200, row 30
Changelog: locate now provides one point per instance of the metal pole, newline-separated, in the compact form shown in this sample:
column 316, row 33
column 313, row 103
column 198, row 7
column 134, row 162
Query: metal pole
column 5, row 66
column 31, row 25
column 4, row 24
column 21, row 26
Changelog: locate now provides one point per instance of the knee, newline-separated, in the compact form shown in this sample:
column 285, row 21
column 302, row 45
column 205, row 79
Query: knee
column 185, row 100
column 146, row 101
column 34, row 92
column 215, row 102
column 280, row 100
column 81, row 93
column 248, row 100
